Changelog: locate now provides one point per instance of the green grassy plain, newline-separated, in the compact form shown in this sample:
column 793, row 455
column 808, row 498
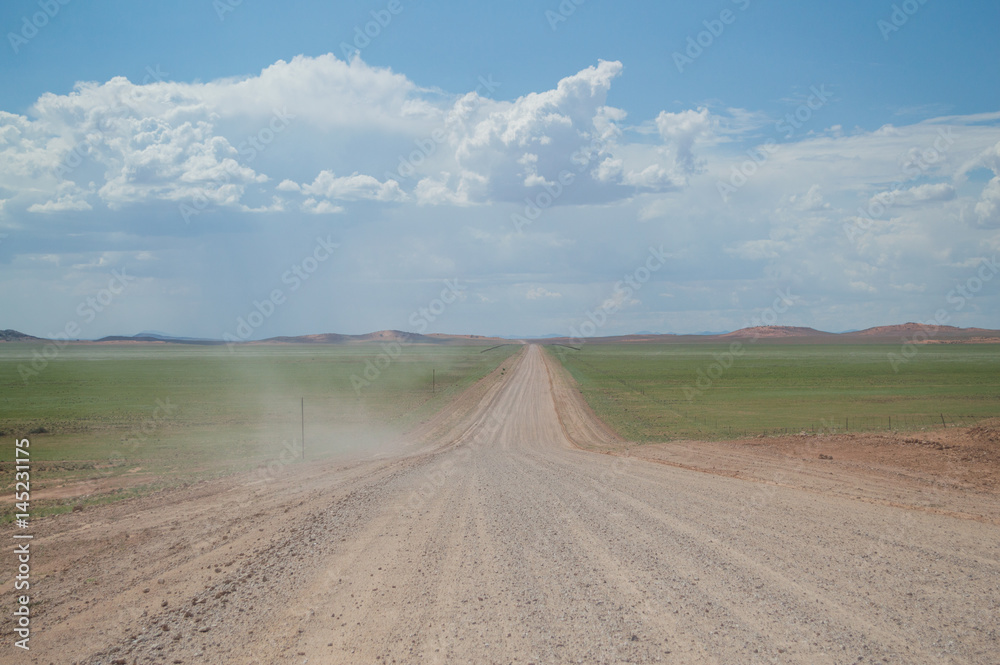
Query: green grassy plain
column 661, row 392
column 177, row 413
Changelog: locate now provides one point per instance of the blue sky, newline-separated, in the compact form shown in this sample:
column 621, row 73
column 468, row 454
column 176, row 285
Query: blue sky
column 497, row 168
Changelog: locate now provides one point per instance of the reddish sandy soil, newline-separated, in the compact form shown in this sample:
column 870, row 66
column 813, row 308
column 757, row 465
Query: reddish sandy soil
column 954, row 471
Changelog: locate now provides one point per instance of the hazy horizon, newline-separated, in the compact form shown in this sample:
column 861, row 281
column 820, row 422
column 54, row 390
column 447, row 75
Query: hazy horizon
column 577, row 333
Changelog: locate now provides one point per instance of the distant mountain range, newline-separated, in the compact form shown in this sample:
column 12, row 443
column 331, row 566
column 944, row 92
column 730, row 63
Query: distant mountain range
column 160, row 338
column 904, row 332
column 907, row 331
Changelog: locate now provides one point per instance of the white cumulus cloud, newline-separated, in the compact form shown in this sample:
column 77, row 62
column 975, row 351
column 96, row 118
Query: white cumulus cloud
column 349, row 188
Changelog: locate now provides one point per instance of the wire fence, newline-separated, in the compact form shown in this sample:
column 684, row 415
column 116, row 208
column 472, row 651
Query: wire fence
column 835, row 425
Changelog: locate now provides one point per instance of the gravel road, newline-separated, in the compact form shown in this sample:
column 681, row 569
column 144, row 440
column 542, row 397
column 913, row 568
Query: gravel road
column 493, row 538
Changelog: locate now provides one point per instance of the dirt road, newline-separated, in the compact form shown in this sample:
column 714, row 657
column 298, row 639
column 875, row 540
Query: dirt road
column 493, row 539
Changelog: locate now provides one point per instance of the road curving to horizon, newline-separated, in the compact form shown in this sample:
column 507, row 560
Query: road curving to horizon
column 492, row 537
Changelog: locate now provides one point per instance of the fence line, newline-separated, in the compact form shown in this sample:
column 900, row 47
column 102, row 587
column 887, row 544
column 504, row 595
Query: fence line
column 836, row 425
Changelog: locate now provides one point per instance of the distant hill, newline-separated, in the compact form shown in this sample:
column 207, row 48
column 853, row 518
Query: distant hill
column 155, row 338
column 795, row 334
column 15, row 336
column 936, row 332
column 381, row 336
column 777, row 331
column 171, row 338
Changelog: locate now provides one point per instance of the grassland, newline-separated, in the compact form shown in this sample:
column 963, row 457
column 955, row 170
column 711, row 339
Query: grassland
column 132, row 418
column 661, row 392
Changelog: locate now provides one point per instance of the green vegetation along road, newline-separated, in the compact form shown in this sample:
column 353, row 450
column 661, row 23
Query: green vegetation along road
column 660, row 392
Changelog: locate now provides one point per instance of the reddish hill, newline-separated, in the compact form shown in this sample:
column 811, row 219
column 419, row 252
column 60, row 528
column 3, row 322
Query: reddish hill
column 775, row 331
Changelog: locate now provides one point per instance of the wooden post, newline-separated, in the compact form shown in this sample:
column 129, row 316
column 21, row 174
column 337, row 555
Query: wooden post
column 942, row 420
column 303, row 407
